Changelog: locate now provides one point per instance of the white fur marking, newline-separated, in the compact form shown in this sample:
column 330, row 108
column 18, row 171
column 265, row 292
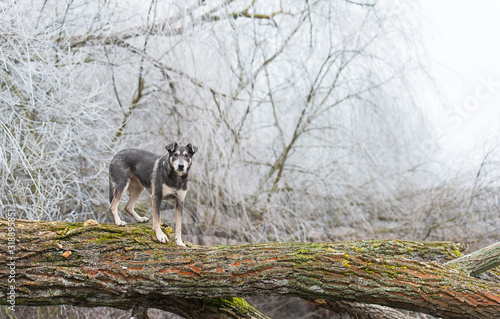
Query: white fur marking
column 166, row 191
column 153, row 176
column 181, row 194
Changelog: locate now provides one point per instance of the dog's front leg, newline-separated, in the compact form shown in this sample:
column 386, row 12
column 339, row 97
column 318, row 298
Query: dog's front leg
column 179, row 206
column 156, row 202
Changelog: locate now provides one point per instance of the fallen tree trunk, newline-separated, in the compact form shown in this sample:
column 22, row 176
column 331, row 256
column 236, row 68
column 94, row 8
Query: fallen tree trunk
column 124, row 267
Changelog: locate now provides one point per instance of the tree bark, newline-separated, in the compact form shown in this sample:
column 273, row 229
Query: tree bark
column 125, row 267
column 479, row 261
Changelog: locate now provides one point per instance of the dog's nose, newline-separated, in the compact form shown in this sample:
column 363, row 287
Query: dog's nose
column 180, row 167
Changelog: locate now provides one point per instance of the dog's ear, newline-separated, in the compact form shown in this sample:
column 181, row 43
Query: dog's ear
column 192, row 148
column 171, row 147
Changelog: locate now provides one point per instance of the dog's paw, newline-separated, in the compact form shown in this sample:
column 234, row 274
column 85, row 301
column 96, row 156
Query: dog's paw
column 121, row 223
column 142, row 219
column 180, row 243
column 162, row 238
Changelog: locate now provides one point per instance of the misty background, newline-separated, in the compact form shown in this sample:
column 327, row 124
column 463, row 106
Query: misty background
column 315, row 120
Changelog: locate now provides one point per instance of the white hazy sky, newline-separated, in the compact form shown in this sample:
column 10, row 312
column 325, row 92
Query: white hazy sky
column 463, row 40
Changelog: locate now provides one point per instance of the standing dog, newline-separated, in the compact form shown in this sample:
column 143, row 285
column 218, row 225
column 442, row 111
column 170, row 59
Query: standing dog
column 163, row 176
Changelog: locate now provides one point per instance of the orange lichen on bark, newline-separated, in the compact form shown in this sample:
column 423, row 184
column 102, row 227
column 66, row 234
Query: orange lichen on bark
column 239, row 263
column 195, row 269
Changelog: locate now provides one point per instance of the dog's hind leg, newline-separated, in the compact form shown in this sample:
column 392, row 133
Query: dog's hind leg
column 135, row 190
column 118, row 184
column 116, row 190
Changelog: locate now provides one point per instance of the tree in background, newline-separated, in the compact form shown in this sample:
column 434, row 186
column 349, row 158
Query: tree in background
column 53, row 126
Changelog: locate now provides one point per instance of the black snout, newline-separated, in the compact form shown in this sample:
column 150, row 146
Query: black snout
column 180, row 167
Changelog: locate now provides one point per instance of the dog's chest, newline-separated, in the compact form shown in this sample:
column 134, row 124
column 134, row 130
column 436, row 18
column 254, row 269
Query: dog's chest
column 168, row 191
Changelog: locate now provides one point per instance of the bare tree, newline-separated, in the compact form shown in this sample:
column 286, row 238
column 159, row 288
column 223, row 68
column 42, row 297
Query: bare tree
column 53, row 130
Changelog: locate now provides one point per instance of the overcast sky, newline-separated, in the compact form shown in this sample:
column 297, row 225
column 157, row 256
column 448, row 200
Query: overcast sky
column 463, row 40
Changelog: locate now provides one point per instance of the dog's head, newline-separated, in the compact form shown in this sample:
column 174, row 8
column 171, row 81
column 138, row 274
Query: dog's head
column 180, row 156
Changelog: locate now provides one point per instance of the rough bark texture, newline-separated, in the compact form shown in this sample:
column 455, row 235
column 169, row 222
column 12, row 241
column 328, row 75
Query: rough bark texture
column 123, row 267
column 361, row 311
column 479, row 261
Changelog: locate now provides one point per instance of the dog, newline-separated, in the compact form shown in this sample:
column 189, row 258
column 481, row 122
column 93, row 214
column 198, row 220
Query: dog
column 165, row 177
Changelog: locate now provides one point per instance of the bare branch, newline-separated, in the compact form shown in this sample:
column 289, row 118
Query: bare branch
column 479, row 261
